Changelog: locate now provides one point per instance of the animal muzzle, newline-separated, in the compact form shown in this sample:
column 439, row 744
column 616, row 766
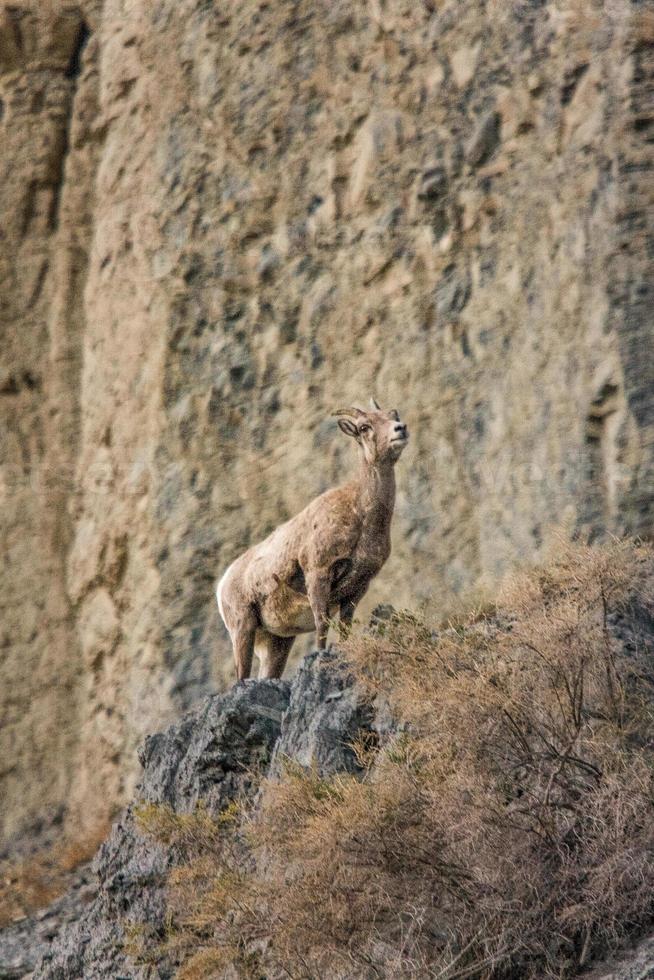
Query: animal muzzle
column 400, row 433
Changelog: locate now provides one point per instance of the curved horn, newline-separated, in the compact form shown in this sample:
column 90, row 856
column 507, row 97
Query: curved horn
column 352, row 412
column 375, row 405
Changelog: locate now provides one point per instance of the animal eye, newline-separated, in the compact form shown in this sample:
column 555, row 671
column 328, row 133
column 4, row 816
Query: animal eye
column 364, row 428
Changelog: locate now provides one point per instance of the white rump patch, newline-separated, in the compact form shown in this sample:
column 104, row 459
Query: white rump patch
column 219, row 593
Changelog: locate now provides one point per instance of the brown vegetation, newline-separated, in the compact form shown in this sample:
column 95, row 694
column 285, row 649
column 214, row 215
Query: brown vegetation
column 33, row 882
column 506, row 831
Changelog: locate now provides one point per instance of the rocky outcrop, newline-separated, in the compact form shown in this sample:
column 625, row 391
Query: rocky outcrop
column 637, row 964
column 215, row 755
column 220, row 222
column 206, row 758
column 24, row 943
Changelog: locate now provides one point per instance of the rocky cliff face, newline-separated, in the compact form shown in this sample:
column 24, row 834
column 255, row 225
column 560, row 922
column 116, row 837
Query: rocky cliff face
column 220, row 223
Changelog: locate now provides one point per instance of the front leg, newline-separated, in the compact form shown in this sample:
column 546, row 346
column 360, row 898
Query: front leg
column 318, row 586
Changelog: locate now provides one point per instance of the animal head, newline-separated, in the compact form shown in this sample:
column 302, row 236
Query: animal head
column 380, row 435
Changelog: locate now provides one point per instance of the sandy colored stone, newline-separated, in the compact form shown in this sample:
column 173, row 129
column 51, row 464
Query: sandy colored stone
column 464, row 62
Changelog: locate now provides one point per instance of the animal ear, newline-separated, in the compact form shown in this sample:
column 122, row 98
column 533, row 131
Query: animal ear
column 394, row 414
column 374, row 405
column 348, row 427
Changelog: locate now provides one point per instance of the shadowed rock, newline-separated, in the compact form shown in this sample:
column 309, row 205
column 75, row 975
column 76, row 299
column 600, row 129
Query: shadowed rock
column 216, row 754
column 211, row 757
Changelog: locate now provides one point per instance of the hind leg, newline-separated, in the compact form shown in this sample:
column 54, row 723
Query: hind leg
column 272, row 652
column 240, row 618
column 243, row 635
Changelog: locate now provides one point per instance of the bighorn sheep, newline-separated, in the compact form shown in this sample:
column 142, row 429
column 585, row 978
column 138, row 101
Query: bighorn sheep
column 321, row 561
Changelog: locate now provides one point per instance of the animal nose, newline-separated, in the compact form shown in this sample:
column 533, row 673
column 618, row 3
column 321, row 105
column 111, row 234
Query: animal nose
column 400, row 429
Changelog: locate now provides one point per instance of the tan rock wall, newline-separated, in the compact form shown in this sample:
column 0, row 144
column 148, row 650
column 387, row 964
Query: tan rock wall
column 274, row 209
column 47, row 101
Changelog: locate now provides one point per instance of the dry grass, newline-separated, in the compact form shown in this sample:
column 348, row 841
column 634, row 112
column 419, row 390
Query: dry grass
column 33, row 882
column 507, row 831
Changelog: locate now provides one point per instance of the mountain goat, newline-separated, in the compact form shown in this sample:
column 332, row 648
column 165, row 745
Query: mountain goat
column 322, row 560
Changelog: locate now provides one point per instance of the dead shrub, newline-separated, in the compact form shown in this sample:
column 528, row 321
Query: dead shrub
column 33, row 882
column 506, row 831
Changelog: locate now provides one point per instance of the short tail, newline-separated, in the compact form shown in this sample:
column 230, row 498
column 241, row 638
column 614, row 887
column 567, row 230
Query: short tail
column 219, row 596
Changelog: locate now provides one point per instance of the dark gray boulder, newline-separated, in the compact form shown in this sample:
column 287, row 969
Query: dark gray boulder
column 327, row 713
column 24, row 943
column 216, row 754
column 212, row 756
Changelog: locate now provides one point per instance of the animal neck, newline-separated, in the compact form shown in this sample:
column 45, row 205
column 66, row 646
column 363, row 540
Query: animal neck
column 376, row 491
